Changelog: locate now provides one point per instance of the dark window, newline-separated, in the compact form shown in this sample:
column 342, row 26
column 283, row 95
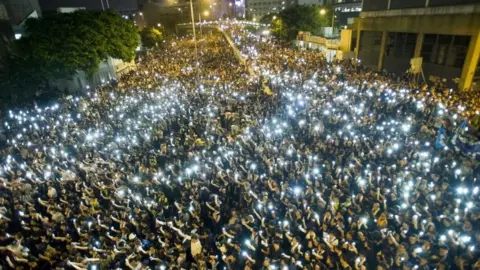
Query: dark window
column 369, row 5
column 399, row 4
column 429, row 42
column 401, row 45
column 445, row 50
column 460, row 49
column 370, row 41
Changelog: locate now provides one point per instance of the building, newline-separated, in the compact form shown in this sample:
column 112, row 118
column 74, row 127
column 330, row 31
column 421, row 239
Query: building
column 16, row 12
column 19, row 10
column 312, row 2
column 259, row 8
column 445, row 33
column 6, row 33
column 124, row 7
column 168, row 13
column 346, row 11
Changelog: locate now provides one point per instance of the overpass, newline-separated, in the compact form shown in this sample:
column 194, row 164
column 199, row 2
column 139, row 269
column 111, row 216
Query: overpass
column 187, row 28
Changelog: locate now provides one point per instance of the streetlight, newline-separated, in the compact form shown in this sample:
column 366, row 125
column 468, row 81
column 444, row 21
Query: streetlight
column 274, row 17
column 324, row 11
column 159, row 24
column 205, row 13
column 181, row 13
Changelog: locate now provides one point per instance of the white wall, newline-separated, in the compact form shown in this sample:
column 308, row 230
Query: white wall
column 109, row 69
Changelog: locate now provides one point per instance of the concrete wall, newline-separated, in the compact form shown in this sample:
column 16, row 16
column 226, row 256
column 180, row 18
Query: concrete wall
column 369, row 5
column 448, row 73
column 109, row 69
column 396, row 64
column 466, row 24
column 451, row 2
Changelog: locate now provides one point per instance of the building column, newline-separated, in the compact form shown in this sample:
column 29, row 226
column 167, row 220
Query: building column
column 418, row 45
column 470, row 64
column 382, row 50
column 359, row 31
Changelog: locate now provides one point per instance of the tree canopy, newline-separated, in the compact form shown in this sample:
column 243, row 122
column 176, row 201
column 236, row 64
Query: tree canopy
column 80, row 40
column 151, row 37
column 290, row 21
column 56, row 46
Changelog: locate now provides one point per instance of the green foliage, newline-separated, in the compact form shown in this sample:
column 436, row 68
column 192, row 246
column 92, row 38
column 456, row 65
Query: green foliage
column 299, row 18
column 121, row 36
column 58, row 45
column 68, row 42
column 269, row 18
column 151, row 37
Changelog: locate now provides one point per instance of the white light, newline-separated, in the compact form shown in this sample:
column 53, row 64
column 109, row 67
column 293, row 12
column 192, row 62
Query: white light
column 466, row 238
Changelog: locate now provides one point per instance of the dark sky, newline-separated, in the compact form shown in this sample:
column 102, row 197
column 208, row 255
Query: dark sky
column 121, row 5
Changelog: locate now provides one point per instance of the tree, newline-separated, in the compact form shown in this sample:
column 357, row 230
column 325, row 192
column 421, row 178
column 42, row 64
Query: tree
column 57, row 46
column 68, row 42
column 151, row 37
column 269, row 18
column 298, row 18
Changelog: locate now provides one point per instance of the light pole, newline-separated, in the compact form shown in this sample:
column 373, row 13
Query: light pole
column 181, row 13
column 324, row 11
column 194, row 35
column 205, row 13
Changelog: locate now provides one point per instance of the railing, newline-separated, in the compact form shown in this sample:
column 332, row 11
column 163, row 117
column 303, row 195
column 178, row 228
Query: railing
column 308, row 38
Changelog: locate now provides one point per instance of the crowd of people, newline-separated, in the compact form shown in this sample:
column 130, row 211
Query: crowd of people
column 186, row 163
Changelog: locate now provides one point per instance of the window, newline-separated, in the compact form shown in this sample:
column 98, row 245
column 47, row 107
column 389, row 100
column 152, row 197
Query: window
column 401, row 45
column 460, row 49
column 370, row 41
column 429, row 42
column 445, row 50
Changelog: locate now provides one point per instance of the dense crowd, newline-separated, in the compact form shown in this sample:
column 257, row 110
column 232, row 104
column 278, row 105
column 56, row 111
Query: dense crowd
column 186, row 163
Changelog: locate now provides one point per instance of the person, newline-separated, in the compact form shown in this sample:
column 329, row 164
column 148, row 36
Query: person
column 186, row 165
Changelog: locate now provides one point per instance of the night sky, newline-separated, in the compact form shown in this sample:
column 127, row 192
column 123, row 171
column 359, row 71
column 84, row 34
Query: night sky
column 121, row 5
